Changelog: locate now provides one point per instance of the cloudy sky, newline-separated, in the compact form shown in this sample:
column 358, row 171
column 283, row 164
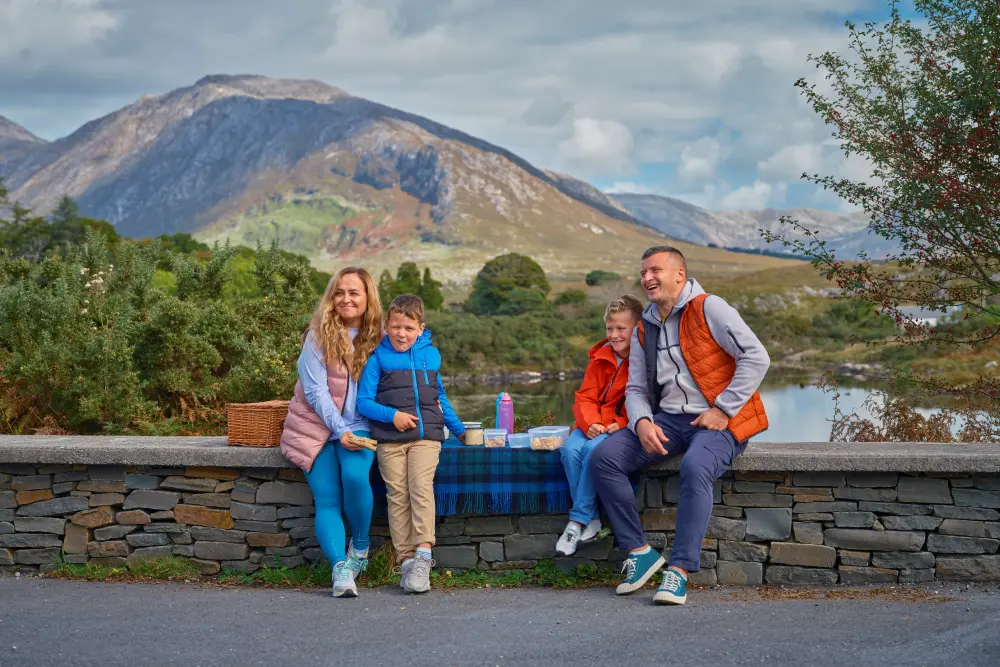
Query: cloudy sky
column 690, row 98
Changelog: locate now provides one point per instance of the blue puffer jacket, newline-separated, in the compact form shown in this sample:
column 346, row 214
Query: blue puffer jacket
column 409, row 381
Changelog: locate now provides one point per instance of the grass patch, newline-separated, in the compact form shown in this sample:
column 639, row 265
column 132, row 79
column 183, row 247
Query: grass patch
column 166, row 569
column 380, row 572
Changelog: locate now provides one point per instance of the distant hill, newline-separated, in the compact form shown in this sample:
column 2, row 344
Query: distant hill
column 16, row 143
column 332, row 176
column 741, row 229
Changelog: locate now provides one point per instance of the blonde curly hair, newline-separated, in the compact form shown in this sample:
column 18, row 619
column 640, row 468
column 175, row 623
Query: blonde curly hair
column 330, row 332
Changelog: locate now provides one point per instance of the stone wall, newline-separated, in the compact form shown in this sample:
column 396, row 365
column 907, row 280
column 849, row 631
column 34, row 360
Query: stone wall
column 796, row 527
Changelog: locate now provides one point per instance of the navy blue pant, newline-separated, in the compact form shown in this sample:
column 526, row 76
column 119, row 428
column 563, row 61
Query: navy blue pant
column 707, row 455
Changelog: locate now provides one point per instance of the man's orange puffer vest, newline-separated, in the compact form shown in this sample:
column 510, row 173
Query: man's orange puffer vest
column 711, row 367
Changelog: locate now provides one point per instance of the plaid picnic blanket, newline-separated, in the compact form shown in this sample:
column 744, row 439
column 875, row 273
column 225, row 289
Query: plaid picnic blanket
column 498, row 480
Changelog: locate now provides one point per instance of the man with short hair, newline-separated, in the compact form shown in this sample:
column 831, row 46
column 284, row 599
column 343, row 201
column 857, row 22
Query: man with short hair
column 694, row 370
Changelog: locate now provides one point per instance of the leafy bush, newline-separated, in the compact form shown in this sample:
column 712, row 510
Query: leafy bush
column 88, row 344
column 571, row 297
column 510, row 284
column 601, row 277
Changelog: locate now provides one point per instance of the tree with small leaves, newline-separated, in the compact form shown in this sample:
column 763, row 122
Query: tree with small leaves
column 920, row 102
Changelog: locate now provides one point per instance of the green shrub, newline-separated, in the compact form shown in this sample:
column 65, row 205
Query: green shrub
column 571, row 297
column 601, row 277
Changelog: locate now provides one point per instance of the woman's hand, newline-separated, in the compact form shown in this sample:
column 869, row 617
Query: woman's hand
column 594, row 431
column 345, row 442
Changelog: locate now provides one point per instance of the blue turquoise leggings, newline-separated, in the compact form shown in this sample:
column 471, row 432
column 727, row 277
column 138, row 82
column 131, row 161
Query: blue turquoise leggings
column 339, row 483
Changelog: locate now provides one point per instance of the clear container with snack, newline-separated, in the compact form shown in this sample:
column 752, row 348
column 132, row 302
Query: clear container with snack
column 547, row 438
column 519, row 441
column 495, row 437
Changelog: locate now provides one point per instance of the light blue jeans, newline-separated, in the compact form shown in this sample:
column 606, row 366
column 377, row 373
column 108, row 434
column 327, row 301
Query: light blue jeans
column 575, row 454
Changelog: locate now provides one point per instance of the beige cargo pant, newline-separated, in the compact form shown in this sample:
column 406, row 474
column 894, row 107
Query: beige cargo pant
column 408, row 470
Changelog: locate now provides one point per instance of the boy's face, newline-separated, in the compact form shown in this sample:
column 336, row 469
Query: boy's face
column 403, row 331
column 619, row 329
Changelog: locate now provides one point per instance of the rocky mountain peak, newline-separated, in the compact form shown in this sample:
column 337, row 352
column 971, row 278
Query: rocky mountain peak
column 263, row 87
column 11, row 131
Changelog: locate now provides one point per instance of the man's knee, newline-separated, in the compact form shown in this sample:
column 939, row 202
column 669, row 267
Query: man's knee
column 697, row 466
column 604, row 457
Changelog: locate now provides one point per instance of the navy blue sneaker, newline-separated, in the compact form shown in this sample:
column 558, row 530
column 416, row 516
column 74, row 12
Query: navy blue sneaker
column 638, row 568
column 673, row 590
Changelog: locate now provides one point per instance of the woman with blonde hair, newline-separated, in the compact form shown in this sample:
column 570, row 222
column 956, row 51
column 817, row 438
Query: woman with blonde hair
column 322, row 416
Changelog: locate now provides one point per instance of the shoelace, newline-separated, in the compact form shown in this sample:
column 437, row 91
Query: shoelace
column 422, row 566
column 628, row 567
column 671, row 581
column 343, row 572
column 356, row 565
column 572, row 535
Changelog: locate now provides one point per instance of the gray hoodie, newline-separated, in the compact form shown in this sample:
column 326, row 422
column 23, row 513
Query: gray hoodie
column 680, row 394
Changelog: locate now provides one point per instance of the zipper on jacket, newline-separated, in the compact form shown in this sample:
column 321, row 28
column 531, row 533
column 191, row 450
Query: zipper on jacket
column 416, row 393
column 612, row 383
column 677, row 375
column 426, row 379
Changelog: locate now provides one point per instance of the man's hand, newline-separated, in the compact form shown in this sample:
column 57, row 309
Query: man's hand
column 713, row 419
column 403, row 421
column 594, row 431
column 345, row 442
column 652, row 437
column 613, row 428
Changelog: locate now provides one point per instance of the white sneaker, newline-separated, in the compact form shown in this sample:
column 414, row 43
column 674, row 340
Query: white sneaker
column 404, row 574
column 343, row 581
column 566, row 546
column 591, row 530
column 419, row 578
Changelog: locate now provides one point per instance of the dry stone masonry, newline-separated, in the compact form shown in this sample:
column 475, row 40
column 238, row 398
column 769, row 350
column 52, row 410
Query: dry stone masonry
column 797, row 527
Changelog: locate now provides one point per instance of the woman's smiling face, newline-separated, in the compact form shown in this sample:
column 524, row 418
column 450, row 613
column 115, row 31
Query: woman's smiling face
column 350, row 299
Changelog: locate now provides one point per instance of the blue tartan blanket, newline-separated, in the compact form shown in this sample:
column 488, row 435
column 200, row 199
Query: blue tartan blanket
column 498, row 480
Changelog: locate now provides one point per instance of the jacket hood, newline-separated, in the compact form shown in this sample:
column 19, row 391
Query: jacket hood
column 690, row 291
column 423, row 340
column 603, row 351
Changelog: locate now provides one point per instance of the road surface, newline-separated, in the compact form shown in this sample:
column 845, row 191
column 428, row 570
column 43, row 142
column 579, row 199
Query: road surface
column 47, row 622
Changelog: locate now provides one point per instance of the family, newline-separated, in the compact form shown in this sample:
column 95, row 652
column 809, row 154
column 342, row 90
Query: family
column 679, row 376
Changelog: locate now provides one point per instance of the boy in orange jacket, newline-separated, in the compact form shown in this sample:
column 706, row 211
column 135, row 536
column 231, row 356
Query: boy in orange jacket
column 599, row 410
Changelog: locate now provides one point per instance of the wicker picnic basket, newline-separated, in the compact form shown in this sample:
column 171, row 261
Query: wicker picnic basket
column 256, row 424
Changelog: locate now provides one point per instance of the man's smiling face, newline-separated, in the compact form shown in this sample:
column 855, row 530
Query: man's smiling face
column 663, row 277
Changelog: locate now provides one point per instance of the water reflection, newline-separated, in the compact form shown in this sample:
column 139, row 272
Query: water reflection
column 797, row 412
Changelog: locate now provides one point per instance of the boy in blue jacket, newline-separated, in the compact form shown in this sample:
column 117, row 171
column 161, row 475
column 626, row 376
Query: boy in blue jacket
column 402, row 396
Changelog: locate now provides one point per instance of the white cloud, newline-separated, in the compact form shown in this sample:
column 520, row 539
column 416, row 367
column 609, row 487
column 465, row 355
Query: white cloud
column 630, row 187
column 755, row 196
column 34, row 32
column 792, row 161
column 706, row 87
column 597, row 146
column 699, row 160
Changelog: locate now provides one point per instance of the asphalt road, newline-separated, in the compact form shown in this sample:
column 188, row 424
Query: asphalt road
column 78, row 624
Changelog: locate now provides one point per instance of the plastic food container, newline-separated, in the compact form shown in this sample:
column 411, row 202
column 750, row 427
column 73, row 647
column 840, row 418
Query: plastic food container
column 548, row 437
column 519, row 440
column 473, row 433
column 495, row 437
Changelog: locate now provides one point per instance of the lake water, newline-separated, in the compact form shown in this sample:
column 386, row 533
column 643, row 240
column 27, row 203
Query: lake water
column 796, row 413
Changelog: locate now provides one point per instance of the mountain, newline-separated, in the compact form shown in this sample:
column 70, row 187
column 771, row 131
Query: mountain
column 740, row 229
column 333, row 176
column 16, row 143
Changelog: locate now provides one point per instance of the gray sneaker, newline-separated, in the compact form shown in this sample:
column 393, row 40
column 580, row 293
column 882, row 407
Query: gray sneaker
column 418, row 579
column 404, row 573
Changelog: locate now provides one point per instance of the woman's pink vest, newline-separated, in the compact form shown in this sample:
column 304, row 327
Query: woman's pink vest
column 305, row 433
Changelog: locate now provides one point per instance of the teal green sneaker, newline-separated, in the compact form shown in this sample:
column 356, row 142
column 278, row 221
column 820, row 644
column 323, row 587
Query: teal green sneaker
column 673, row 590
column 638, row 568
